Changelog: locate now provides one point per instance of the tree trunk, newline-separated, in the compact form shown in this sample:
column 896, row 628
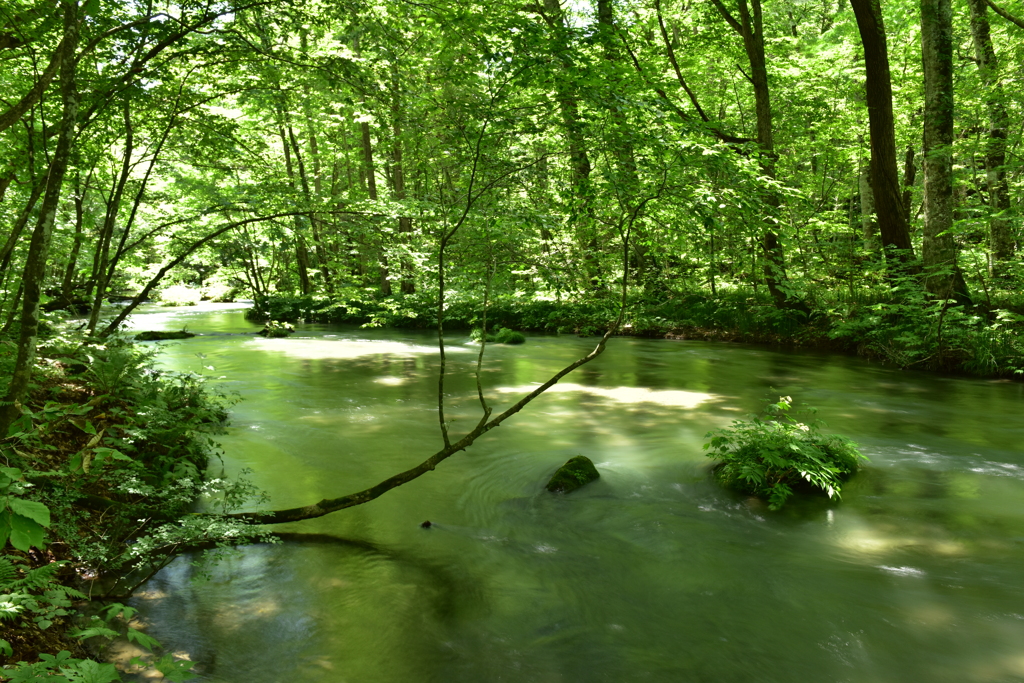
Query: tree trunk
column 67, row 285
column 909, row 176
column 868, row 224
column 26, row 213
column 1000, row 242
column 35, row 264
column 101, row 272
column 301, row 249
column 579, row 159
column 751, row 28
column 942, row 277
column 626, row 179
column 408, row 285
column 892, row 222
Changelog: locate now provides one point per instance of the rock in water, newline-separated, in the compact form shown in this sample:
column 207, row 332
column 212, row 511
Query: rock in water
column 577, row 472
column 160, row 336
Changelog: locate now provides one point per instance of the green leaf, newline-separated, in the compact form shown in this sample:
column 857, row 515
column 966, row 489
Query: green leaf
column 92, row 632
column 35, row 511
column 13, row 472
column 25, row 533
column 89, row 671
column 174, row 669
column 146, row 641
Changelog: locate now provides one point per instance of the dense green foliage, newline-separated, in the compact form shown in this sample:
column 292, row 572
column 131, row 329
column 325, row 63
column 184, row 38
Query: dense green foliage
column 469, row 163
column 774, row 455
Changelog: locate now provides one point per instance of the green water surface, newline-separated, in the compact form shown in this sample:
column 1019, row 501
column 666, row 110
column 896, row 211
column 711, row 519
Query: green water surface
column 653, row 573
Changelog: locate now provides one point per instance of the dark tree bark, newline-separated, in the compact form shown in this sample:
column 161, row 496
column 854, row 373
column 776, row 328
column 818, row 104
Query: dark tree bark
column 67, row 284
column 101, row 270
column 892, row 223
column 14, row 114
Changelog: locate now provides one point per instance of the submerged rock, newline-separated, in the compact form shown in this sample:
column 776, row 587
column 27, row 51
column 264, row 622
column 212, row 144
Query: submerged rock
column 162, row 335
column 575, row 473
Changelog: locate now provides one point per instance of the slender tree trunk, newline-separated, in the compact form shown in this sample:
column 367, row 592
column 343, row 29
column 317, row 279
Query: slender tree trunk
column 408, row 285
column 67, row 285
column 626, row 179
column 101, row 273
column 301, row 249
column 35, row 265
column 751, row 28
column 942, row 277
column 892, row 223
column 579, row 160
column 371, row 189
column 1000, row 242
column 868, row 224
column 909, row 177
column 12, row 240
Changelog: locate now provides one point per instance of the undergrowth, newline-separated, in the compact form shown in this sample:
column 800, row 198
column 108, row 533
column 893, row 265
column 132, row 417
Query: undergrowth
column 99, row 479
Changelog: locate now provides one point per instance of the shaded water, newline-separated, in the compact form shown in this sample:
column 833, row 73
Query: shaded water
column 653, row 573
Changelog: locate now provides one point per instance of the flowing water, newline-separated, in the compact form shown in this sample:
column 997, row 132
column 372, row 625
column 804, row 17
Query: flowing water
column 652, row 573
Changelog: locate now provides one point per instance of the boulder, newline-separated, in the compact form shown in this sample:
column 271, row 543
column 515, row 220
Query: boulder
column 161, row 335
column 575, row 473
column 276, row 330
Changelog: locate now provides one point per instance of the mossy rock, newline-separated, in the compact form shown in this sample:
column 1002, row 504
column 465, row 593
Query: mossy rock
column 275, row 330
column 160, row 336
column 506, row 336
column 575, row 473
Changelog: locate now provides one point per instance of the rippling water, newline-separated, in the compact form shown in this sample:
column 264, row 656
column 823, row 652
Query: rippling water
column 653, row 573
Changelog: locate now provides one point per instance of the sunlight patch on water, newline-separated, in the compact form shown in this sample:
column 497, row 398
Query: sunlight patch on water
column 316, row 349
column 873, row 541
column 627, row 395
column 390, row 381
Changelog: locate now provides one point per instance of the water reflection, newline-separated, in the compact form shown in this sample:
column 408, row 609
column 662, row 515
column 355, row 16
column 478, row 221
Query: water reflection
column 652, row 572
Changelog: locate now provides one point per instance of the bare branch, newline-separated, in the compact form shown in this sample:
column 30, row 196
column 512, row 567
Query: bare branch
column 729, row 18
column 1005, row 15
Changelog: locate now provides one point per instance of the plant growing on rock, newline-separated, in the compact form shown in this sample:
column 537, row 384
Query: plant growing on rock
column 770, row 455
column 274, row 329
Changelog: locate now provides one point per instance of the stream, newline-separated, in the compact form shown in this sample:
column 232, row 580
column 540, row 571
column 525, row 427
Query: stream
column 652, row 573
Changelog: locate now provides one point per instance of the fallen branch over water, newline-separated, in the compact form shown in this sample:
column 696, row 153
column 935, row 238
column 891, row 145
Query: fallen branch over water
column 329, row 505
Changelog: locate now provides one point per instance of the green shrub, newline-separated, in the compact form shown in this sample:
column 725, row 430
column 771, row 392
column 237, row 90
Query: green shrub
column 507, row 336
column 771, row 455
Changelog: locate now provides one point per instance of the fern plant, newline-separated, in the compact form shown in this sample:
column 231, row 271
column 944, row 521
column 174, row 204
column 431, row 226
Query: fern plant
column 772, row 454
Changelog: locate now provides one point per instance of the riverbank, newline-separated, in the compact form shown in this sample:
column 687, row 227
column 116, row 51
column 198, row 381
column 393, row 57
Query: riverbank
column 108, row 457
column 608, row 581
column 910, row 332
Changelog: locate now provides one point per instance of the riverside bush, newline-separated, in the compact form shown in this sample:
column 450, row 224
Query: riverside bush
column 769, row 456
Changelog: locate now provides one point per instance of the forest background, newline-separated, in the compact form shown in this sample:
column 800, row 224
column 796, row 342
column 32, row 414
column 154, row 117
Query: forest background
column 790, row 171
